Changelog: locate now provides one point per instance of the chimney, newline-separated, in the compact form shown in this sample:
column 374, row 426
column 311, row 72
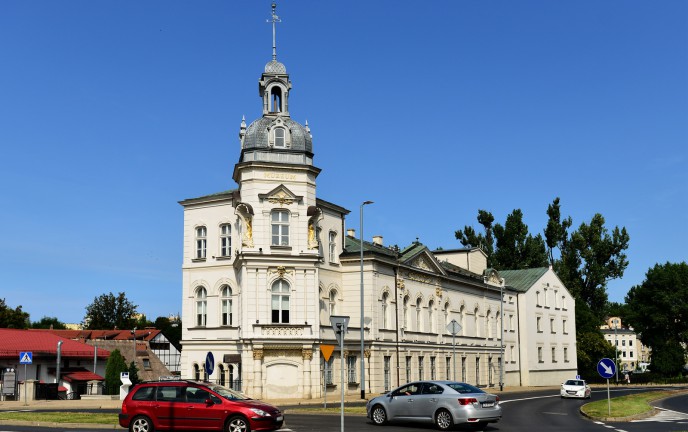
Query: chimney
column 377, row 240
column 351, row 232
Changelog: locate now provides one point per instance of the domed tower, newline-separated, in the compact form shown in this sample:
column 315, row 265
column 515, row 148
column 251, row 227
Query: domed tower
column 275, row 173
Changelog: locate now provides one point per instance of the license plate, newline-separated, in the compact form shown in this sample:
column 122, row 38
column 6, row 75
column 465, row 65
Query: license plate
column 571, row 392
column 488, row 404
column 280, row 418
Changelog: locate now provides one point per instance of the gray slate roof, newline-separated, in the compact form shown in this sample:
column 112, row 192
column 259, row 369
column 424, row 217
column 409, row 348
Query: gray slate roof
column 257, row 135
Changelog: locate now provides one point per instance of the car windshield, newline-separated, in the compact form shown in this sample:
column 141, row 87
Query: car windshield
column 228, row 393
column 464, row 388
column 575, row 383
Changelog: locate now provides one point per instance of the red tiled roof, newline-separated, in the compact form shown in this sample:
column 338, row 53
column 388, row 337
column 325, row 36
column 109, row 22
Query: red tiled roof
column 43, row 343
column 82, row 376
column 144, row 335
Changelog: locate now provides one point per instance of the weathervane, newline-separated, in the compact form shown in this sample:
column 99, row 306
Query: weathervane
column 275, row 19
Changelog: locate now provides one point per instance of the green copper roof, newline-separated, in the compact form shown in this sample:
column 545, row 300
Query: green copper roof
column 522, row 280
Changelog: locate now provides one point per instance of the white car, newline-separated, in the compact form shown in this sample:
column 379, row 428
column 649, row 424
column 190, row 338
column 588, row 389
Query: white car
column 575, row 388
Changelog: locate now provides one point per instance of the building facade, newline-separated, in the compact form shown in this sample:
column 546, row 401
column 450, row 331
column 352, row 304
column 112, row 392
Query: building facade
column 630, row 350
column 267, row 263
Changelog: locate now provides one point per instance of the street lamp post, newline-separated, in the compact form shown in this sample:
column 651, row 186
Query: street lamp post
column 362, row 309
column 616, row 350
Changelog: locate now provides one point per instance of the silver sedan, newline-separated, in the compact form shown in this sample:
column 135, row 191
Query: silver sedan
column 444, row 403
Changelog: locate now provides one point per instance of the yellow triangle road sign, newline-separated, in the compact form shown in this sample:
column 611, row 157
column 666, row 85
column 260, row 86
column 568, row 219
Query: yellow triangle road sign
column 326, row 351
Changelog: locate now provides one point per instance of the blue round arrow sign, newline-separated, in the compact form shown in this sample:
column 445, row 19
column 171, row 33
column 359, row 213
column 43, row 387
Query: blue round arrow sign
column 606, row 368
column 209, row 363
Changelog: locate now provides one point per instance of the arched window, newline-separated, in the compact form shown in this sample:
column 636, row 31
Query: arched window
column 226, row 303
column 385, row 298
column 226, row 240
column 446, row 314
column 221, row 372
column 275, row 99
column 280, row 137
column 406, row 309
column 333, row 246
column 201, row 307
column 333, row 302
column 201, row 242
column 476, row 318
column 280, row 302
column 431, row 316
column 462, row 319
column 280, row 228
column 488, row 319
column 419, row 319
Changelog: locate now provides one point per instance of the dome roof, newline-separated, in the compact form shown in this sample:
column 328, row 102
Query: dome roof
column 257, row 135
column 275, row 67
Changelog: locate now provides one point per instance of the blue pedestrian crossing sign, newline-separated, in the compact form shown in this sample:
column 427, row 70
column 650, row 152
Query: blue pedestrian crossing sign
column 26, row 357
column 606, row 368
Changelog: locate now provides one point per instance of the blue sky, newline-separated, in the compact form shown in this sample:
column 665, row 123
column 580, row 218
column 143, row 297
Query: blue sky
column 111, row 112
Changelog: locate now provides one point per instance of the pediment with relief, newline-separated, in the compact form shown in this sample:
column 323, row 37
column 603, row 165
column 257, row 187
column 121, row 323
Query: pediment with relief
column 281, row 195
column 425, row 261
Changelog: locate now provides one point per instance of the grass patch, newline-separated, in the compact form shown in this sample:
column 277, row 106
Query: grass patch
column 62, row 417
column 625, row 406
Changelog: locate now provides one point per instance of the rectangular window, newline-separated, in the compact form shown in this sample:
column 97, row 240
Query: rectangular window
column 447, row 371
column 563, row 327
column 630, row 354
column 463, row 369
column 539, row 355
column 477, row 371
column 226, row 312
column 511, row 354
column 226, row 240
column 432, row 368
column 511, row 322
column 623, row 342
column 408, row 368
column 201, row 242
column 328, row 366
column 421, row 374
column 630, row 342
column 538, row 324
column 333, row 247
column 551, row 325
column 554, row 355
column 387, row 377
column 566, row 355
column 280, row 228
column 351, row 369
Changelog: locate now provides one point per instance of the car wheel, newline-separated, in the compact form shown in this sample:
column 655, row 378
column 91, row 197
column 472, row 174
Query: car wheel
column 237, row 424
column 443, row 419
column 141, row 424
column 378, row 415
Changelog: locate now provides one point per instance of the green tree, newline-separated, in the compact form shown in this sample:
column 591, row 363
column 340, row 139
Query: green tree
column 142, row 322
column 590, row 258
column 556, row 232
column 469, row 237
column 109, row 312
column 113, row 368
column 617, row 309
column 658, row 310
column 134, row 373
column 516, row 247
column 591, row 347
column 172, row 329
column 48, row 323
column 13, row 318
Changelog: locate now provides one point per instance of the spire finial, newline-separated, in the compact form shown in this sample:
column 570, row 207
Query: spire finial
column 274, row 19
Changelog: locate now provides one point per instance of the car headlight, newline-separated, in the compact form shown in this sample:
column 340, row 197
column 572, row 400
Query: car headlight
column 260, row 412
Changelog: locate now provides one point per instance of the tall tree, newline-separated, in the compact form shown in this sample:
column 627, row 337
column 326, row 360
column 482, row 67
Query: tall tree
column 108, row 312
column 114, row 366
column 48, row 323
column 556, row 232
column 658, row 310
column 469, row 237
column 591, row 257
column 516, row 247
column 13, row 318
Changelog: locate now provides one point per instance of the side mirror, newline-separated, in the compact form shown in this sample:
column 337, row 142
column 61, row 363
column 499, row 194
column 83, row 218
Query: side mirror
column 209, row 402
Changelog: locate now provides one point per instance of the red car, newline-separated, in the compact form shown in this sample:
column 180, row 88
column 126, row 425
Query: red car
column 192, row 405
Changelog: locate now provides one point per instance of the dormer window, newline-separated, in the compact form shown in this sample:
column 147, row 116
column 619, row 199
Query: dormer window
column 280, row 139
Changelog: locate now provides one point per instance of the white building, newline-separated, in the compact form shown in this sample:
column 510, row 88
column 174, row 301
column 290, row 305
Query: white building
column 266, row 264
column 630, row 349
